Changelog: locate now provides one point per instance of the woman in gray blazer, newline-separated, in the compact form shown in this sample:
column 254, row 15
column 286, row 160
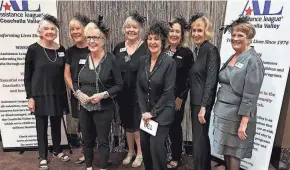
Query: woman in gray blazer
column 235, row 109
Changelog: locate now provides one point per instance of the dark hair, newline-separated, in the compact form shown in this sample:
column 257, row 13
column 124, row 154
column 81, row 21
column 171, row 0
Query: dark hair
column 83, row 19
column 182, row 22
column 195, row 17
column 100, row 23
column 158, row 28
column 51, row 19
column 137, row 17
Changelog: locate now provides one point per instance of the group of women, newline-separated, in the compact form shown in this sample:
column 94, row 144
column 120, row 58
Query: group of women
column 145, row 78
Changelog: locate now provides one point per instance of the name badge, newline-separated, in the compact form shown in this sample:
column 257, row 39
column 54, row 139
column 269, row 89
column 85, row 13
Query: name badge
column 239, row 65
column 82, row 61
column 123, row 49
column 150, row 128
column 61, row 54
column 179, row 57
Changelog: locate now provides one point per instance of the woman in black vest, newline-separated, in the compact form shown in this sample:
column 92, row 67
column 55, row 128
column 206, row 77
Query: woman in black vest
column 97, row 84
column 203, row 85
column 183, row 57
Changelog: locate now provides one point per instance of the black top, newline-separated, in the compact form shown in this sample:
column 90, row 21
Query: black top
column 184, row 60
column 109, row 79
column 204, row 75
column 75, row 56
column 156, row 89
column 129, row 68
column 44, row 71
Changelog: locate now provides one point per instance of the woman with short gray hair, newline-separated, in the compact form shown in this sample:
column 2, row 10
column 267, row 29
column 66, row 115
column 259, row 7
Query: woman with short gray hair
column 97, row 84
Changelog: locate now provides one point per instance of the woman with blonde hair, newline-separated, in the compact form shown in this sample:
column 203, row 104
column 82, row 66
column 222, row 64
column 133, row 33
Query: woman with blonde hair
column 235, row 110
column 203, row 84
column 128, row 55
column 96, row 86
column 75, row 56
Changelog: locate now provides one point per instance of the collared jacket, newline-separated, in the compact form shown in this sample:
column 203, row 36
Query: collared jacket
column 203, row 75
column 246, row 80
column 156, row 89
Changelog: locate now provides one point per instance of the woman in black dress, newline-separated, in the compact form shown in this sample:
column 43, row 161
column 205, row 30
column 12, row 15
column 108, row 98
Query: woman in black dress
column 155, row 88
column 97, row 84
column 128, row 55
column 45, row 87
column 203, row 85
column 75, row 56
column 183, row 57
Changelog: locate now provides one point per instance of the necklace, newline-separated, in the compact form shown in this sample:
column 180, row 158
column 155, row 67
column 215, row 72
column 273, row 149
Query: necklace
column 48, row 56
column 128, row 57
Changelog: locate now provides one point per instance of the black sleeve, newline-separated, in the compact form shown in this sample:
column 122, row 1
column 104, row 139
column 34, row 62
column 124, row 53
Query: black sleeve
column 212, row 69
column 28, row 72
column 141, row 101
column 184, row 87
column 169, row 83
column 68, row 56
column 75, row 78
column 113, row 91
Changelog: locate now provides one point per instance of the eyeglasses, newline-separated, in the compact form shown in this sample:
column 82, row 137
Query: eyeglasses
column 94, row 38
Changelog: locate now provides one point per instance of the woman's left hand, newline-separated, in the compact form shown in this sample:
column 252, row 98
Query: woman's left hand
column 96, row 98
column 201, row 115
column 178, row 103
column 242, row 131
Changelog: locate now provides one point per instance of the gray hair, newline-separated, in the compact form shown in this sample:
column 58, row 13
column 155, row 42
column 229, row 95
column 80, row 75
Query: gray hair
column 130, row 21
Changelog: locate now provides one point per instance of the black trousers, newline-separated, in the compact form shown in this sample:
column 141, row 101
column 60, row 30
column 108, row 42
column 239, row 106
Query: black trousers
column 92, row 123
column 41, row 129
column 154, row 148
column 175, row 134
column 201, row 142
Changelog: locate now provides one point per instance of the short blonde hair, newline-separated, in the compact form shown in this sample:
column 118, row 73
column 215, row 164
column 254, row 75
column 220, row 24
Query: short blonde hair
column 72, row 22
column 130, row 21
column 93, row 26
column 246, row 28
column 208, row 27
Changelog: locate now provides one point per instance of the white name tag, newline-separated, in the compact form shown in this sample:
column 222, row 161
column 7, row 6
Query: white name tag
column 82, row 61
column 179, row 57
column 239, row 65
column 123, row 49
column 150, row 128
column 61, row 54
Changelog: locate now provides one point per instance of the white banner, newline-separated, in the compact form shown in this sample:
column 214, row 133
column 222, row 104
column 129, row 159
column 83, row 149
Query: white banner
column 18, row 29
column 272, row 22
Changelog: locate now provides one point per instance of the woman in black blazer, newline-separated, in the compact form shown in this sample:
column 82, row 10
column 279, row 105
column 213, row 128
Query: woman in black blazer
column 97, row 84
column 183, row 57
column 203, row 84
column 155, row 89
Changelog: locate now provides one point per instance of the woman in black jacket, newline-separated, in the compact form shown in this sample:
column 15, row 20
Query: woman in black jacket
column 203, row 85
column 155, row 88
column 97, row 84
column 183, row 57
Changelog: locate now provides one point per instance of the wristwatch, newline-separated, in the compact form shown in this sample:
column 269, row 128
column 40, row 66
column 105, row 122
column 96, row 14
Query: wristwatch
column 106, row 95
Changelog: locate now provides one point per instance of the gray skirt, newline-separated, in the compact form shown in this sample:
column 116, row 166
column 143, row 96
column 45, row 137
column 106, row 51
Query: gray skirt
column 226, row 124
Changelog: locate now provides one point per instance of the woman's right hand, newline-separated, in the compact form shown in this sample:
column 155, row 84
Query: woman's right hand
column 31, row 105
column 83, row 98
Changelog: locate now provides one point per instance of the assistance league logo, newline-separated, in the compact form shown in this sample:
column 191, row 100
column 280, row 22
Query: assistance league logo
column 263, row 16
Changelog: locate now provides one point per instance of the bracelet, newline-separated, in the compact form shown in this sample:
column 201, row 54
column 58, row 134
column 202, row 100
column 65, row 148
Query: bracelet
column 106, row 94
